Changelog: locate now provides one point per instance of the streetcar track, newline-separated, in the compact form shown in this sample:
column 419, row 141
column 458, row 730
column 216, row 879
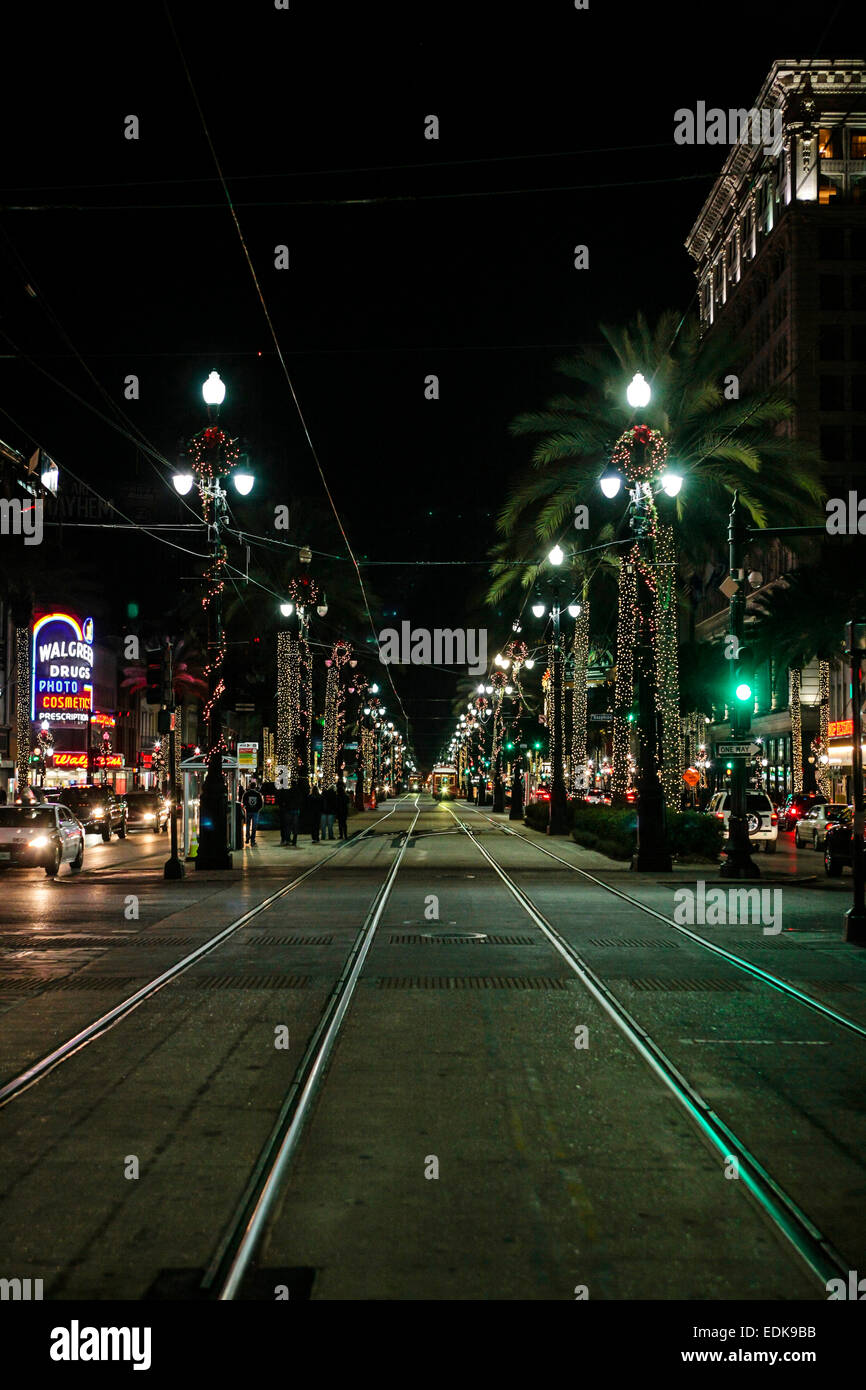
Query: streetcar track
column 814, row 1248
column 34, row 1073
column 765, row 976
column 242, row 1237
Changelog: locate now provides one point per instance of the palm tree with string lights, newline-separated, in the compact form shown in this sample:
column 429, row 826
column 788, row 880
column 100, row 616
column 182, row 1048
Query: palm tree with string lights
column 703, row 438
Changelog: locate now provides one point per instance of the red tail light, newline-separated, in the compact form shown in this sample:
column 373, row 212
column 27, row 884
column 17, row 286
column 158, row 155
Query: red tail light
column 719, row 815
column 774, row 818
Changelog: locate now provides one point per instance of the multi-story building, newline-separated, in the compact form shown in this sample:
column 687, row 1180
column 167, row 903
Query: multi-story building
column 780, row 252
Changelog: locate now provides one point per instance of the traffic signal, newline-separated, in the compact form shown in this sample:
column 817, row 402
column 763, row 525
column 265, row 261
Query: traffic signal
column 742, row 695
column 155, row 694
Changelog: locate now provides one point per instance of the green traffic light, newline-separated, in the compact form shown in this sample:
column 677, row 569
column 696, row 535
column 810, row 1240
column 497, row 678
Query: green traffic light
column 536, row 745
column 743, row 691
column 729, row 767
column 132, row 610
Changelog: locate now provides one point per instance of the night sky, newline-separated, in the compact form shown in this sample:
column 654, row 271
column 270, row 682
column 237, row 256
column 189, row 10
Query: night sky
column 407, row 257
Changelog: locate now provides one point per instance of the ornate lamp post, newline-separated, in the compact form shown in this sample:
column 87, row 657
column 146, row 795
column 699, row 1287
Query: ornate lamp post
column 644, row 454
column 214, row 457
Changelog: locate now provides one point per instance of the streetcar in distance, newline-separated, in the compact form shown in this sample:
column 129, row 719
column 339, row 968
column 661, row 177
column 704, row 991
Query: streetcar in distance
column 443, row 782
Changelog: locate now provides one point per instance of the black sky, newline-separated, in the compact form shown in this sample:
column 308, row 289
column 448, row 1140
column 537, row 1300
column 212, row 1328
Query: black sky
column 407, row 256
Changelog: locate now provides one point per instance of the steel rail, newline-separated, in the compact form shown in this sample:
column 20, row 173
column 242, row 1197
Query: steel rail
column 60, row 1054
column 237, row 1248
column 814, row 1248
column 766, row 976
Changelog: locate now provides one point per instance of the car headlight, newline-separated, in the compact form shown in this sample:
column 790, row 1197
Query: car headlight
column 148, row 815
column 99, row 810
column 38, row 842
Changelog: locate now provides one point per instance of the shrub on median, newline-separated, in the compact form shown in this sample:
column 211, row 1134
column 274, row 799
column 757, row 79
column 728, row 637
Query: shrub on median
column 611, row 830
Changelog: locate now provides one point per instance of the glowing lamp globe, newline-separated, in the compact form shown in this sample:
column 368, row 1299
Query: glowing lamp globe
column 611, row 484
column 213, row 390
column 287, row 609
column 671, row 482
column 243, row 482
column 638, row 391
column 538, row 610
column 556, row 555
column 574, row 610
column 183, row 483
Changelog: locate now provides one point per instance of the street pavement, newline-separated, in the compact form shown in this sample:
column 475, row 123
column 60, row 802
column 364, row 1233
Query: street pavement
column 490, row 1124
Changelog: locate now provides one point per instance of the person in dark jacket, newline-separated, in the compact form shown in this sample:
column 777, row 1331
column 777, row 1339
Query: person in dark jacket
column 342, row 809
column 314, row 812
column 329, row 811
column 253, row 801
column 294, row 803
column 282, row 800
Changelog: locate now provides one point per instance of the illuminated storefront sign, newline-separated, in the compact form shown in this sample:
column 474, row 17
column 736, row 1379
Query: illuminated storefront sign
column 62, row 669
column 109, row 760
column 840, row 728
column 70, row 760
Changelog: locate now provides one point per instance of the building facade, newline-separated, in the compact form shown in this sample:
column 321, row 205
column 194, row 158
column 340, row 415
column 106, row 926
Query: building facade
column 780, row 259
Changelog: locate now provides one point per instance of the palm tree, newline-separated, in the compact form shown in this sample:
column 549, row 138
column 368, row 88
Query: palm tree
column 719, row 441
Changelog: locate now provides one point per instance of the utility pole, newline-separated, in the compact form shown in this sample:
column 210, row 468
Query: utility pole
column 174, row 868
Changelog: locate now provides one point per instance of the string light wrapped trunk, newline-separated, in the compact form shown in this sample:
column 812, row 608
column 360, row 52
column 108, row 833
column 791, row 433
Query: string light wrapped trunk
column 794, row 679
column 580, row 651
column 22, row 708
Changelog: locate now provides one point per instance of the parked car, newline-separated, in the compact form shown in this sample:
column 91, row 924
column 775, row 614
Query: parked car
column 797, row 806
column 99, row 809
column 761, row 817
column 146, row 810
column 41, row 836
column 839, row 844
column 811, row 829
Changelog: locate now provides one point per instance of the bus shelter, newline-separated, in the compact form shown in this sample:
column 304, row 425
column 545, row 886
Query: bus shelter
column 193, row 771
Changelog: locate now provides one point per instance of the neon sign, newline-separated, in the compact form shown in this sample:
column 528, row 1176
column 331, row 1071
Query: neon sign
column 61, row 669
column 840, row 728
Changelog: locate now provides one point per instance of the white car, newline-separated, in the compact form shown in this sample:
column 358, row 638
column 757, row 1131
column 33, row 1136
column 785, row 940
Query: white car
column 41, row 835
column 761, row 817
column 812, row 829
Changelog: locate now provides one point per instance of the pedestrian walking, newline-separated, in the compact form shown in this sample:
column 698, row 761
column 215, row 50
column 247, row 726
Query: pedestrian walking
column 296, row 803
column 282, row 800
column 253, row 801
column 329, row 811
column 342, row 809
column 314, row 813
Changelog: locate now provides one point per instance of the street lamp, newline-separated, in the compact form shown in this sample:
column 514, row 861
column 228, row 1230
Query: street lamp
column 287, row 609
column 638, row 391
column 213, row 390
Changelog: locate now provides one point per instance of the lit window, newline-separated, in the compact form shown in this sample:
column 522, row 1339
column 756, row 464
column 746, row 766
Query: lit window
column 858, row 144
column 826, row 143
